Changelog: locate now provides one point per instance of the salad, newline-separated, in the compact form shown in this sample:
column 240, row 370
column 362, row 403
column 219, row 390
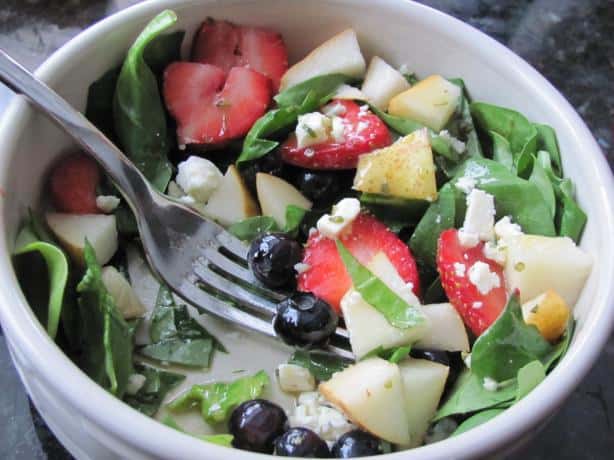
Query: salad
column 439, row 231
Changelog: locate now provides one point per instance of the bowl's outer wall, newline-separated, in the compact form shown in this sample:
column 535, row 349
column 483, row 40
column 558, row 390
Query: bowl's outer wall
column 92, row 423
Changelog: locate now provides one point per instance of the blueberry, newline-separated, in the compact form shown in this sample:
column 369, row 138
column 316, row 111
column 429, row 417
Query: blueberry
column 301, row 442
column 256, row 424
column 272, row 257
column 357, row 443
column 269, row 164
column 436, row 356
column 305, row 320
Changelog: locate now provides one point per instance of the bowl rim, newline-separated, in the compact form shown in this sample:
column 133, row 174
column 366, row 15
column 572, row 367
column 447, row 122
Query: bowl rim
column 29, row 339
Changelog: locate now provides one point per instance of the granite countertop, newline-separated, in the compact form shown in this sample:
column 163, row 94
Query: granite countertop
column 569, row 41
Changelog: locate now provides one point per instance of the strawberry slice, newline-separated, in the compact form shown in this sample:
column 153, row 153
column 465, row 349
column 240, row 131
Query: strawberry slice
column 73, row 183
column 363, row 133
column 454, row 261
column 227, row 45
column 327, row 277
column 211, row 108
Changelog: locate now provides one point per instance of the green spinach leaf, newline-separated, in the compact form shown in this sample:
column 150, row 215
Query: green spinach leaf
column 501, row 151
column 476, row 420
column 393, row 355
column 139, row 117
column 157, row 384
column 319, row 90
column 177, row 337
column 294, row 217
column 546, row 140
column 99, row 106
column 559, row 350
column 529, row 376
column 321, row 364
column 250, row 228
column 507, row 345
column 377, row 294
column 219, row 439
column 541, row 180
column 217, row 400
column 107, row 338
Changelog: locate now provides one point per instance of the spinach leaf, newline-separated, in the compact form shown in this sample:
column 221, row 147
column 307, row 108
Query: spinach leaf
column 250, row 228
column 99, row 107
column 394, row 209
column 217, row 400
column 157, row 384
column 507, row 345
column 107, row 338
column 435, row 293
column 467, row 126
column 512, row 125
column 514, row 196
column 501, row 151
column 393, row 355
column 476, row 420
column 294, row 217
column 321, row 364
column 377, row 294
column 139, row 117
column 469, row 395
column 529, row 376
column 177, row 337
column 439, row 216
column 546, row 140
column 57, row 275
column 219, row 439
column 411, row 78
column 297, row 100
column 561, row 347
column 541, row 180
column 163, row 50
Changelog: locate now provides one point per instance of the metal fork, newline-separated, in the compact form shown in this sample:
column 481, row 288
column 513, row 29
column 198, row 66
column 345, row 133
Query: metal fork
column 197, row 258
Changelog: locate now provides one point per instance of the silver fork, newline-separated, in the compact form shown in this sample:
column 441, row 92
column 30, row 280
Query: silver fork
column 197, row 258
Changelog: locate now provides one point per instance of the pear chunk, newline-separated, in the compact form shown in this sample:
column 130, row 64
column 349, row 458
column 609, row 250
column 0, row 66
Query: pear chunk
column 447, row 331
column 537, row 263
column 423, row 382
column 404, row 170
column 275, row 194
column 431, row 101
column 231, row 202
column 371, row 395
column 339, row 54
column 124, row 296
column 382, row 83
column 72, row 230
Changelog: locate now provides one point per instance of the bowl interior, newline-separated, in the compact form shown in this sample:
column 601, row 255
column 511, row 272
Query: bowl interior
column 400, row 32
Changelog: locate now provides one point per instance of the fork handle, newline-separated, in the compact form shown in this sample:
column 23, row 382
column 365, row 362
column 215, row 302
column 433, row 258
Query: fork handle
column 125, row 175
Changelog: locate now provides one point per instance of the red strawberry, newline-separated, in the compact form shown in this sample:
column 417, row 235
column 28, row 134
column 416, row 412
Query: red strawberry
column 210, row 108
column 363, row 133
column 73, row 183
column 478, row 310
column 327, row 277
column 227, row 45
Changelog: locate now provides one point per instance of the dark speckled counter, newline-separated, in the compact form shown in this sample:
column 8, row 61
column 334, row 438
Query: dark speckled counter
column 569, row 41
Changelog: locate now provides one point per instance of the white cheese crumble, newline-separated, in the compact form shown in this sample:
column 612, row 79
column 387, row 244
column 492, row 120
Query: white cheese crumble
column 312, row 128
column 334, row 110
column 482, row 278
column 477, row 305
column 338, row 129
column 301, row 267
column 295, row 379
column 361, row 126
column 314, row 412
column 456, row 144
column 135, row 383
column 173, row 190
column 467, row 360
column 490, row 384
column 504, row 228
column 465, row 184
column 198, row 177
column 107, row 203
column 459, row 269
column 495, row 252
column 343, row 213
column 479, row 219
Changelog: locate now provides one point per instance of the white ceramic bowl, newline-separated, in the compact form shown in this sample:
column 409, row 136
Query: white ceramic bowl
column 92, row 423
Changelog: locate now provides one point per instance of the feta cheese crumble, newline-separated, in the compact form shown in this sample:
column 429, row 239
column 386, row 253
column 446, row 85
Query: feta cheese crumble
column 334, row 110
column 459, row 269
column 198, row 178
column 312, row 128
column 465, row 184
column 504, row 228
column 107, row 203
column 479, row 219
column 338, row 129
column 490, row 384
column 457, row 145
column 482, row 278
column 295, row 379
column 314, row 412
column 343, row 214
column 477, row 305
column 301, row 267
column 135, row 383
column 495, row 252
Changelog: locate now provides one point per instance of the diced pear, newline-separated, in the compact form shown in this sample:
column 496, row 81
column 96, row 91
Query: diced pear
column 405, row 169
column 381, row 266
column 549, row 313
column 339, row 54
column 371, row 395
column 424, row 382
column 350, row 92
column 382, row 83
column 275, row 194
column 231, row 202
column 431, row 101
column 72, row 230
column 537, row 263
column 124, row 296
column 447, row 331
